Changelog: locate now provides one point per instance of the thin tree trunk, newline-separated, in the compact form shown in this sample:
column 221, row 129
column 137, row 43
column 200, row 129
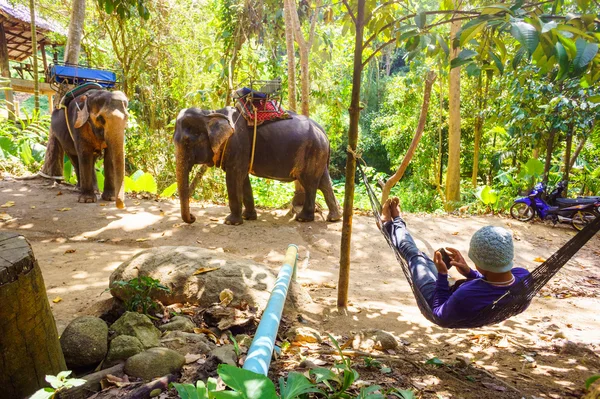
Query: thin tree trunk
column 391, row 182
column 34, row 50
column 5, row 73
column 53, row 160
column 291, row 59
column 549, row 150
column 453, row 172
column 479, row 126
column 440, row 135
column 577, row 151
column 568, row 146
column 304, row 46
column 344, row 277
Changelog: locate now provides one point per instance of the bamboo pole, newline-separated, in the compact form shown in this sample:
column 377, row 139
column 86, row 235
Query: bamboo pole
column 344, row 277
column 34, row 50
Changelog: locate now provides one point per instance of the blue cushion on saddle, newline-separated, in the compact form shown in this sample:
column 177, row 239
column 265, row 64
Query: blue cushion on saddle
column 78, row 75
column 244, row 91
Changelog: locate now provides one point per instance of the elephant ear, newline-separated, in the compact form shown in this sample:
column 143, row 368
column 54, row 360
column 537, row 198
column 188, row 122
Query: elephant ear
column 220, row 128
column 82, row 112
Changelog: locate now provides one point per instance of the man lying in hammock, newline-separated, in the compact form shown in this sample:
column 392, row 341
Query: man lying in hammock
column 491, row 249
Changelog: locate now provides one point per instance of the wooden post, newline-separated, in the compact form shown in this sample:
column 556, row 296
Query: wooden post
column 34, row 50
column 344, row 278
column 28, row 335
column 5, row 73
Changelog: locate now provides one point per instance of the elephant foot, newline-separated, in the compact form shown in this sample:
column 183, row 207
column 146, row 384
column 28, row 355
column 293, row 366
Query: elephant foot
column 334, row 216
column 86, row 198
column 249, row 215
column 305, row 217
column 189, row 220
column 233, row 220
column 106, row 196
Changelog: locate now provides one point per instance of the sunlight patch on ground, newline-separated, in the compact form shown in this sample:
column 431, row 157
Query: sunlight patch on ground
column 127, row 223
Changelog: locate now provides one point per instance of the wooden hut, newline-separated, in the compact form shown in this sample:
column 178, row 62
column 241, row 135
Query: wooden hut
column 16, row 45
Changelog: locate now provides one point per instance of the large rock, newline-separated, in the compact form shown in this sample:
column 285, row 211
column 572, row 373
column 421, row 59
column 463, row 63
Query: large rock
column 174, row 267
column 123, row 347
column 153, row 363
column 178, row 323
column 185, row 343
column 84, row 342
column 304, row 334
column 139, row 326
column 225, row 354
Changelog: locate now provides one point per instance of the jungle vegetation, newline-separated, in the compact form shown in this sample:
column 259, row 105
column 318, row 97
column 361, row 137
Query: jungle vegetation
column 522, row 75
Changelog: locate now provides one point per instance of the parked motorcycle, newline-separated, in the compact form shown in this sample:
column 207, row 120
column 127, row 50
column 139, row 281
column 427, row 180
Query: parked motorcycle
column 577, row 211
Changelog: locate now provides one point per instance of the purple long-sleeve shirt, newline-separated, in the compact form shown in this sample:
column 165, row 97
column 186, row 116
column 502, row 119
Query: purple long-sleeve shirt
column 469, row 299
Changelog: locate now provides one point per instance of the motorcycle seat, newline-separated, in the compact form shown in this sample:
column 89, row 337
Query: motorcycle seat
column 577, row 201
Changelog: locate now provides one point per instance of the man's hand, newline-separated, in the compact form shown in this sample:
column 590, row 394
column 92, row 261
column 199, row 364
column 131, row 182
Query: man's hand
column 439, row 263
column 457, row 260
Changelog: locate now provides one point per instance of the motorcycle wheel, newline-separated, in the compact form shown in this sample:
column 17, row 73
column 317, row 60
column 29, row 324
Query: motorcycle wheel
column 582, row 219
column 522, row 212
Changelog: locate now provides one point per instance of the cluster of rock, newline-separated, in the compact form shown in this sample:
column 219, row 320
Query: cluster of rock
column 148, row 351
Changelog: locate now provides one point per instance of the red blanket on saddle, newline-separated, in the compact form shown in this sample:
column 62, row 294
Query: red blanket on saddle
column 266, row 110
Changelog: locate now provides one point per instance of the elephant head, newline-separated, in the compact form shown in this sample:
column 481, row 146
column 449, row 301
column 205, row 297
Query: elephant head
column 106, row 115
column 199, row 137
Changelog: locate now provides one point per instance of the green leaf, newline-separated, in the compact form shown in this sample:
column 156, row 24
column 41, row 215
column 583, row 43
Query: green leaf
column 100, row 179
column 443, row 44
column 146, row 183
column 591, row 380
column 44, row 393
column 130, row 185
column 404, row 394
column 563, row 60
column 251, row 385
column 421, row 20
column 296, row 385
column 322, row 374
column 497, row 62
column 464, row 57
column 109, row 7
column 436, row 361
column 585, row 54
column 518, row 57
column 54, row 381
column 487, row 195
column 169, row 191
column 526, row 34
column 548, row 26
column 594, row 99
column 469, row 30
column 25, row 153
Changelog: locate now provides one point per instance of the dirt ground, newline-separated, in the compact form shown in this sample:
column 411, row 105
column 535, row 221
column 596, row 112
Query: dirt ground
column 546, row 352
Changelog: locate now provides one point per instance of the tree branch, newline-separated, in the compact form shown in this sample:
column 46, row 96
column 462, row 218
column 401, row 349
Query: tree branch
column 378, row 49
column 349, row 11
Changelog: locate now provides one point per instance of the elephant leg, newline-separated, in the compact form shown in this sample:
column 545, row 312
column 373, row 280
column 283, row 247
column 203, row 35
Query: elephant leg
column 249, row 211
column 235, row 191
column 108, row 194
column 86, row 172
column 95, row 178
column 308, row 209
column 75, row 163
column 299, row 195
column 334, row 207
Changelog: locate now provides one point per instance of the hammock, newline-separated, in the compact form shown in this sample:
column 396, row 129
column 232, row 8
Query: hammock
column 517, row 298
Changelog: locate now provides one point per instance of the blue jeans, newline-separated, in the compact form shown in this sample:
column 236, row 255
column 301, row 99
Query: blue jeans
column 423, row 271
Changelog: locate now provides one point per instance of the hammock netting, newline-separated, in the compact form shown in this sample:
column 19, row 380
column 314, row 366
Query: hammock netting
column 517, row 298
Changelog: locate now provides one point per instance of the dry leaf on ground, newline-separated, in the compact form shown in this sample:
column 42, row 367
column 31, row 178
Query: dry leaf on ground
column 205, row 270
column 63, row 209
column 70, row 251
column 8, row 204
column 539, row 259
column 141, row 239
column 57, row 299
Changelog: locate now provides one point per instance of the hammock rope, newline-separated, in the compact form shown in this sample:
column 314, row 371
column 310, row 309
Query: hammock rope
column 517, row 298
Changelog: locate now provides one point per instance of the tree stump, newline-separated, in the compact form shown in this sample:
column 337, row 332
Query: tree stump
column 29, row 346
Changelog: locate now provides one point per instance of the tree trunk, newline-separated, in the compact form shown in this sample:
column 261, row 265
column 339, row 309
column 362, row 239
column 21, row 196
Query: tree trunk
column 568, row 146
column 304, row 46
column 549, row 150
column 344, row 277
column 5, row 73
column 28, row 336
column 577, row 151
column 34, row 51
column 440, row 135
column 73, row 47
column 54, row 158
column 291, row 59
column 453, row 172
column 430, row 79
column 479, row 126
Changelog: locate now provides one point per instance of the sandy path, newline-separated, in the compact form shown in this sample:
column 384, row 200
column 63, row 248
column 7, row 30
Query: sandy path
column 102, row 237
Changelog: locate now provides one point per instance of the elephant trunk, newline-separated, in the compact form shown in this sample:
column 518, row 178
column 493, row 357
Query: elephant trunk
column 115, row 145
column 183, row 185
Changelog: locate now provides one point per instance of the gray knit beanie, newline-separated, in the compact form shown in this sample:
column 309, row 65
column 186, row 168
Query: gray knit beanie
column 492, row 249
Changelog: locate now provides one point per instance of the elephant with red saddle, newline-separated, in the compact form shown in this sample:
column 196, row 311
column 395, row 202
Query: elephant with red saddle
column 295, row 149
